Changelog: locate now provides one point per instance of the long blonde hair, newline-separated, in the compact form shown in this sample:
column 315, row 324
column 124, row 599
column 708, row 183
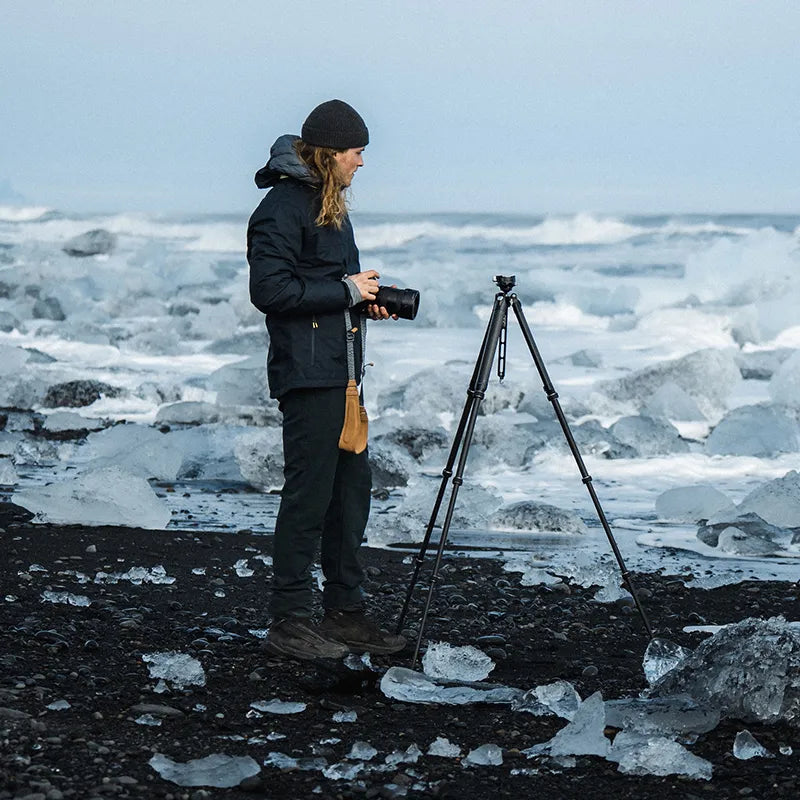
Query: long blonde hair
column 322, row 162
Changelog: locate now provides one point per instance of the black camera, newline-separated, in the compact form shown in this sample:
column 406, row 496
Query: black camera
column 403, row 302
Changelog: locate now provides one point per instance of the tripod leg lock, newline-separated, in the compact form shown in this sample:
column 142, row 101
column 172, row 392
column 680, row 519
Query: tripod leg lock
column 587, row 479
column 552, row 395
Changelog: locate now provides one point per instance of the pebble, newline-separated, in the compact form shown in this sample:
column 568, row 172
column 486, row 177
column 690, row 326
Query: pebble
column 590, row 672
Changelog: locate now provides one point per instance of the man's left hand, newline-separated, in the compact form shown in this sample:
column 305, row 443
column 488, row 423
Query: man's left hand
column 379, row 312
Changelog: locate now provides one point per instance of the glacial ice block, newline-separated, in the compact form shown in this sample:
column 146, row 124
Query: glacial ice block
column 409, row 686
column 639, row 754
column 660, row 657
column 692, row 503
column 180, row 669
column 746, row 746
column 443, row 660
column 749, row 670
column 778, row 501
column 217, row 770
column 108, row 496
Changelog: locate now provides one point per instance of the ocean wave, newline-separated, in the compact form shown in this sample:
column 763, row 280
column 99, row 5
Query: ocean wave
column 23, row 213
column 581, row 229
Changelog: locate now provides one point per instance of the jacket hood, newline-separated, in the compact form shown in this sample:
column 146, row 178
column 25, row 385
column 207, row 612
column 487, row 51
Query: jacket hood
column 283, row 160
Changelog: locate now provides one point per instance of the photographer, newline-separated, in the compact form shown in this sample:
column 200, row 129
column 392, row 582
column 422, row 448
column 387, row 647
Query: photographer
column 305, row 276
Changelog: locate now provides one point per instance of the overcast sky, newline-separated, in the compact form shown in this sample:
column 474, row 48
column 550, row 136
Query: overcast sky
column 544, row 106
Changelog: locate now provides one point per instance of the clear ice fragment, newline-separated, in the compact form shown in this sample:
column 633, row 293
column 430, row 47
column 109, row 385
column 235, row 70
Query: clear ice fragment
column 408, row 756
column 409, row 686
column 137, row 576
column 746, row 746
column 676, row 715
column 749, row 670
column 217, row 770
column 345, row 716
column 59, row 705
column 179, row 669
column 660, row 657
column 443, row 660
column 148, row 719
column 583, row 736
column 443, row 748
column 242, row 570
column 276, row 706
column 487, row 755
column 362, row 751
column 639, row 754
column 65, row 598
column 343, row 771
column 560, row 697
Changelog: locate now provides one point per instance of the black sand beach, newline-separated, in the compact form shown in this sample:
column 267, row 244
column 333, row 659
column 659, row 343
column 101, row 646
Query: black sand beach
column 92, row 657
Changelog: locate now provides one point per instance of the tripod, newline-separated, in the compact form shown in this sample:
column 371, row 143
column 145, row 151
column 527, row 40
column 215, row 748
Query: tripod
column 495, row 340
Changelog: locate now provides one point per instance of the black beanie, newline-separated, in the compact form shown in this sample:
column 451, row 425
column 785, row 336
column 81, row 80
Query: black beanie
column 336, row 125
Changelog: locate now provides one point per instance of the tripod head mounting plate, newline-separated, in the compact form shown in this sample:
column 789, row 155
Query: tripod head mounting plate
column 505, row 282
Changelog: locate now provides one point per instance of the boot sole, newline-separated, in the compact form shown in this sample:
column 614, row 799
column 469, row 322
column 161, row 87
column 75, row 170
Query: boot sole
column 381, row 650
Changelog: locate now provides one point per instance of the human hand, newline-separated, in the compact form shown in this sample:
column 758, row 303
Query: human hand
column 375, row 311
column 366, row 283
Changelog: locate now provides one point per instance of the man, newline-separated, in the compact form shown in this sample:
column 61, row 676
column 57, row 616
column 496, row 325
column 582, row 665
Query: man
column 305, row 276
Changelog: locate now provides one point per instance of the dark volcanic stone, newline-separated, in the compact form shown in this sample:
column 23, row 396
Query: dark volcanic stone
column 78, row 393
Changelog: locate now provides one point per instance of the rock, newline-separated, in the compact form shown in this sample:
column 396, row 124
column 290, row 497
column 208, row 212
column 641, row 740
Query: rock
column 78, row 393
column 417, row 441
column 155, row 710
column 92, row 243
column 390, row 466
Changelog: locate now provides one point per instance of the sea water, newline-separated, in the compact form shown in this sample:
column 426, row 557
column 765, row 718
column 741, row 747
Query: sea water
column 162, row 315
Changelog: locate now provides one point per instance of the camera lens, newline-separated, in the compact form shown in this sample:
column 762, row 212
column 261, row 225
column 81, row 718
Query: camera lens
column 403, row 302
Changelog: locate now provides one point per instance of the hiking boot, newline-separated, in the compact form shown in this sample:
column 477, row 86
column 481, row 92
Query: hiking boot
column 300, row 638
column 360, row 633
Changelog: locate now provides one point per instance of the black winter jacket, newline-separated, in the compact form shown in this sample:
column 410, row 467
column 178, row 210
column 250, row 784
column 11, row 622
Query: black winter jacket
column 296, row 271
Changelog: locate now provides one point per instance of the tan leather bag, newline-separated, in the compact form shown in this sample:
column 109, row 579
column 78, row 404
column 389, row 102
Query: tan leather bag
column 353, row 437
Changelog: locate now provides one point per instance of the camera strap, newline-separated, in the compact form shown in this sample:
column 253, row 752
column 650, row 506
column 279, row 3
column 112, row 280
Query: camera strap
column 350, row 335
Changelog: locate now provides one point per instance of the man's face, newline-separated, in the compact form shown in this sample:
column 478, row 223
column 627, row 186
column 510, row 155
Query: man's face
column 348, row 162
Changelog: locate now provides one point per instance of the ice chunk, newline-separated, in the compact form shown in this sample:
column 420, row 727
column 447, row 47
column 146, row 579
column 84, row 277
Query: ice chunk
column 180, row 669
column 487, row 755
column 59, row 705
column 148, row 719
column 639, row 754
column 276, row 706
column 243, row 383
column 259, row 454
column 343, row 771
column 583, row 736
column 778, row 501
column 443, row 660
column 749, row 670
column 784, row 387
column 443, row 748
column 92, row 243
column 677, row 715
column 408, row 756
column 587, row 570
column 217, row 770
column 760, row 430
column 188, row 412
column 65, row 598
column 529, row 515
column 137, row 449
column 660, row 657
column 427, row 393
column 137, row 576
column 8, row 475
column 473, row 508
column 746, row 746
column 560, row 697
column 647, row 436
column 749, row 525
column 108, row 496
column 242, row 570
column 692, row 503
column 69, row 421
column 362, row 751
column 671, row 402
column 734, row 540
column 707, row 376
column 404, row 684
column 390, row 465
column 344, row 716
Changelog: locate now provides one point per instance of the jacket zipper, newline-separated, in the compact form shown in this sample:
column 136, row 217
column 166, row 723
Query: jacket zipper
column 314, row 326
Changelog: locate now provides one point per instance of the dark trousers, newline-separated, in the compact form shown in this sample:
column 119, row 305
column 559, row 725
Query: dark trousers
column 324, row 506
